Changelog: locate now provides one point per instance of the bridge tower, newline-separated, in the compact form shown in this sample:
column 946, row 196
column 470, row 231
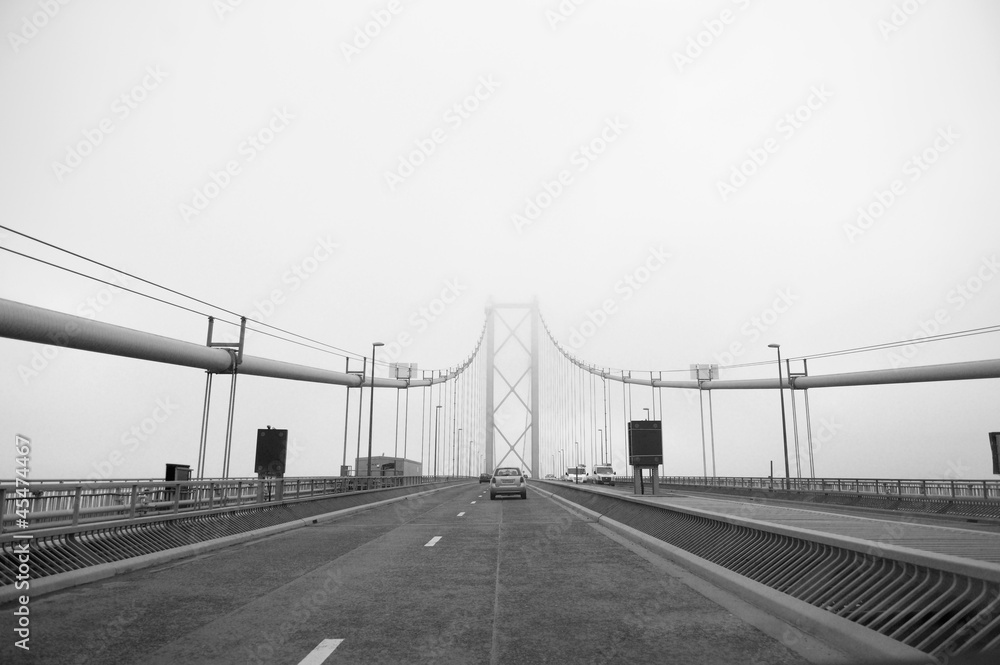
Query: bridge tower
column 512, row 367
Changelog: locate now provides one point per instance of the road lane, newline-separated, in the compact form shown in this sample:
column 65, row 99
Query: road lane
column 510, row 581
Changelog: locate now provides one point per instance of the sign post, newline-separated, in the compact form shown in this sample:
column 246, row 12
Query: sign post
column 645, row 451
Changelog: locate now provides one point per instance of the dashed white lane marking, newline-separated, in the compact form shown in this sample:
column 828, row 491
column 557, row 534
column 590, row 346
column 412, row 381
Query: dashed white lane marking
column 473, row 502
column 461, row 513
column 433, row 541
column 321, row 653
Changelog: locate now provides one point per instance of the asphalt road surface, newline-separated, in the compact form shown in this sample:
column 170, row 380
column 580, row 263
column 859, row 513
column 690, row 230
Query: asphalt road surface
column 450, row 577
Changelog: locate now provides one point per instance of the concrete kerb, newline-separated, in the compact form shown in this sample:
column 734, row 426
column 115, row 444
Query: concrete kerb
column 72, row 578
column 855, row 640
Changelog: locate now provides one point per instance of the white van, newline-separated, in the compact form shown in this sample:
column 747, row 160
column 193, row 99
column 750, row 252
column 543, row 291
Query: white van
column 603, row 475
column 576, row 474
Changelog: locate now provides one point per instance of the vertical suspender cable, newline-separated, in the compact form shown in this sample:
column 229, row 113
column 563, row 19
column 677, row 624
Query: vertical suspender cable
column 361, row 401
column 203, row 443
column 347, row 414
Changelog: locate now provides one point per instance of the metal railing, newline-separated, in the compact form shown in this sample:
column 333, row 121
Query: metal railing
column 926, row 489
column 46, row 504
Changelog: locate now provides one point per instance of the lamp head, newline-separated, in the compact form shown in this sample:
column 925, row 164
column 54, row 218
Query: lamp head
column 377, row 344
column 774, row 346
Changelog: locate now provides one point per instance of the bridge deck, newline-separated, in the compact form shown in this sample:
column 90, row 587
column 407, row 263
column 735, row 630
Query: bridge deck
column 446, row 577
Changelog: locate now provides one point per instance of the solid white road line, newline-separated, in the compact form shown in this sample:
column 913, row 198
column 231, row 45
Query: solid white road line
column 461, row 513
column 321, row 653
column 433, row 541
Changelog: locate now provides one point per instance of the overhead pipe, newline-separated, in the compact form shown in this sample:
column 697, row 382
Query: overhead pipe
column 975, row 369
column 43, row 326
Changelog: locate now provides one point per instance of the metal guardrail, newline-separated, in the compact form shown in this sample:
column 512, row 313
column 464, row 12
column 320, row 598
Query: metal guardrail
column 920, row 603
column 44, row 504
column 924, row 489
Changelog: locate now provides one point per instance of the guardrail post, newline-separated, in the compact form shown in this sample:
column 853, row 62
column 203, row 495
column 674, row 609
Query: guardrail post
column 211, row 495
column 3, row 503
column 952, row 489
column 986, row 491
column 923, row 488
column 899, row 487
column 177, row 498
column 76, row 505
column 132, row 501
column 279, row 489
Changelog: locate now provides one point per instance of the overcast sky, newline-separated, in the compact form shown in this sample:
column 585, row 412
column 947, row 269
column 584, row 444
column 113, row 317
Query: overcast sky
column 714, row 176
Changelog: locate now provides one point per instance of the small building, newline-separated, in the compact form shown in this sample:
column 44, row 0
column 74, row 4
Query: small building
column 388, row 466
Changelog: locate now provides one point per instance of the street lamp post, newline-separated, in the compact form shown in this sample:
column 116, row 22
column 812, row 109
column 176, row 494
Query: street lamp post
column 647, row 412
column 437, row 419
column 371, row 408
column 781, row 397
column 603, row 461
column 458, row 452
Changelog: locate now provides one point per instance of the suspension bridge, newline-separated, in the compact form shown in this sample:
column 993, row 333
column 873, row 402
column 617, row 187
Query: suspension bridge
column 216, row 568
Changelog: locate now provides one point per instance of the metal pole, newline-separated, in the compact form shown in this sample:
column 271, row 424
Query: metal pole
column 711, row 429
column 454, row 424
column 660, row 374
column 347, row 412
column 371, row 409
column 395, row 447
column 437, row 413
column 203, row 444
column 784, row 428
column 604, row 393
column 406, row 420
column 229, row 424
column 795, row 420
column 361, row 401
column 490, row 407
column 701, row 409
column 625, row 415
column 809, row 434
column 652, row 401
